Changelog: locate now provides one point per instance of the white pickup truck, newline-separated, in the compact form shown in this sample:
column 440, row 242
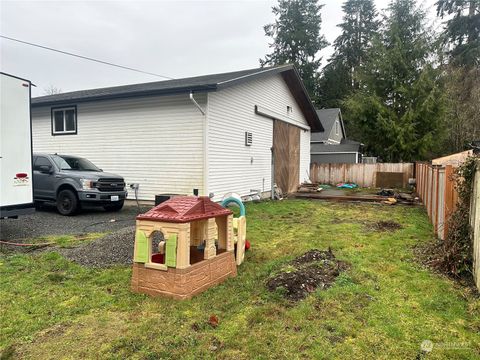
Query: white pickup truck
column 16, row 176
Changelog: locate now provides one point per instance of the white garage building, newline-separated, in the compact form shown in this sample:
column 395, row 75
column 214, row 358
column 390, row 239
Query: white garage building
column 231, row 132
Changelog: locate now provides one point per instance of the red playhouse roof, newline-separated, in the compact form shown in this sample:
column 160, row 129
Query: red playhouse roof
column 182, row 209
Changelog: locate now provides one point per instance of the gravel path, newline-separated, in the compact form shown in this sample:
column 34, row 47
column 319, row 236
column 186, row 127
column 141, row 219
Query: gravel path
column 113, row 249
column 48, row 221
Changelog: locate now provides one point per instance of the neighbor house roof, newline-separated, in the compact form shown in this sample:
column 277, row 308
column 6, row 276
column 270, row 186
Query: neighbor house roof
column 327, row 117
column 332, row 148
column 182, row 209
column 195, row 84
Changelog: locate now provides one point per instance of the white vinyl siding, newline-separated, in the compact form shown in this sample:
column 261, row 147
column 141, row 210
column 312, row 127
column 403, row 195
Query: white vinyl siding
column 232, row 166
column 154, row 141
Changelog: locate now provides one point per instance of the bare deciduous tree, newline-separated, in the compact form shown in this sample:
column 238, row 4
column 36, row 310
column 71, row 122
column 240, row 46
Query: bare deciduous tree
column 52, row 90
column 463, row 114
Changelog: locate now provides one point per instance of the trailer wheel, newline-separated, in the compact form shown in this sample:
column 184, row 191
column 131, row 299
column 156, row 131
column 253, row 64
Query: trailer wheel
column 67, row 202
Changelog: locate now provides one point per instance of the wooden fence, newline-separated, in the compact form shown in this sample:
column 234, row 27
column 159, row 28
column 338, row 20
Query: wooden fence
column 435, row 187
column 475, row 222
column 436, row 190
column 364, row 175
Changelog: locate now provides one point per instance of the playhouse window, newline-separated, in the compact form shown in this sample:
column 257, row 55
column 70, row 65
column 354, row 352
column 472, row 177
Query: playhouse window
column 158, row 248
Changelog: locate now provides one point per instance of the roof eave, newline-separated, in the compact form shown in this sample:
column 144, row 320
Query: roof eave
column 256, row 75
column 300, row 93
column 197, row 89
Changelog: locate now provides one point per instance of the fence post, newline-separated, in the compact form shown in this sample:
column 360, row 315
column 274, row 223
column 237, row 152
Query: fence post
column 425, row 177
column 437, row 205
column 431, row 193
column 419, row 181
column 449, row 198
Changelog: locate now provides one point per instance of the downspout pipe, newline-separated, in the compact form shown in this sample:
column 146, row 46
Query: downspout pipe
column 205, row 142
column 196, row 103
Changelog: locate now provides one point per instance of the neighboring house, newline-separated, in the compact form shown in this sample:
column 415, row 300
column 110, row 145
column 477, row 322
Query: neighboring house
column 207, row 134
column 332, row 146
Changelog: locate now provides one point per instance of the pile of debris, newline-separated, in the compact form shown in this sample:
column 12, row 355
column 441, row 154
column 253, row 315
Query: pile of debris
column 393, row 197
column 312, row 187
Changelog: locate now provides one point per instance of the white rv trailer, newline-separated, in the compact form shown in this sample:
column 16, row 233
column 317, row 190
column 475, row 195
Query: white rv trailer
column 16, row 175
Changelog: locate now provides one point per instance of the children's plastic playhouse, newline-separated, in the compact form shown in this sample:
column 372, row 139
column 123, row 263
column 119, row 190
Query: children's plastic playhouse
column 200, row 246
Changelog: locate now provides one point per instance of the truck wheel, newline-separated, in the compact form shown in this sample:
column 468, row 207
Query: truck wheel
column 114, row 207
column 67, row 202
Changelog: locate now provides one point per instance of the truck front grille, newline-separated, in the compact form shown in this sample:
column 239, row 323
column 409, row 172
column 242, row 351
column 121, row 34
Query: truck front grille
column 106, row 184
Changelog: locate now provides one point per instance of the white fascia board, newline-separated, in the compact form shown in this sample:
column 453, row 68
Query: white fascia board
column 262, row 111
column 253, row 74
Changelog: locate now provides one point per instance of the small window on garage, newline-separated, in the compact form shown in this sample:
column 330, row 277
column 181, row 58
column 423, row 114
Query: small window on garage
column 64, row 120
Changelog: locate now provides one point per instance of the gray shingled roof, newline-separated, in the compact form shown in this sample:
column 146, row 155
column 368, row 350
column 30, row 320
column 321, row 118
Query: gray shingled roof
column 196, row 84
column 327, row 118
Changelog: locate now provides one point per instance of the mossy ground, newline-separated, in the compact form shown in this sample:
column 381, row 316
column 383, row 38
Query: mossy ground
column 383, row 306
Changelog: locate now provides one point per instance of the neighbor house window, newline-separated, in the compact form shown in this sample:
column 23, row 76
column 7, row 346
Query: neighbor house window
column 64, row 120
column 336, row 128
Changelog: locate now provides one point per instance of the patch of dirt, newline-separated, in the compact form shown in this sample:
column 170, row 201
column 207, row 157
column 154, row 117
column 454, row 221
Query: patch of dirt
column 113, row 249
column 385, row 226
column 312, row 270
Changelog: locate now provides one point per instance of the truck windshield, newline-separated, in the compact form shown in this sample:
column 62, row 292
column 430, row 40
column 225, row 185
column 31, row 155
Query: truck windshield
column 74, row 163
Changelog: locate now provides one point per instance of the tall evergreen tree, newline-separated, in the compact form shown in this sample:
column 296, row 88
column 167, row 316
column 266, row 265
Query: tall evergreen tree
column 462, row 30
column 358, row 28
column 334, row 84
column 297, row 39
column 340, row 76
column 400, row 104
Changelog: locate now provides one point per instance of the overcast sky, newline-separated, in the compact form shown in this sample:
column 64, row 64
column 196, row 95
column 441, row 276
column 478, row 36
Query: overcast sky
column 172, row 38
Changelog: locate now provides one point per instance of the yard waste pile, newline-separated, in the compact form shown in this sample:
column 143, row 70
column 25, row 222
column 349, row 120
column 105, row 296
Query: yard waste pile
column 393, row 197
column 316, row 269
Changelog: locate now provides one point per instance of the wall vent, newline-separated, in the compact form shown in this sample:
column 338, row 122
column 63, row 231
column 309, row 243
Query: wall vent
column 248, row 138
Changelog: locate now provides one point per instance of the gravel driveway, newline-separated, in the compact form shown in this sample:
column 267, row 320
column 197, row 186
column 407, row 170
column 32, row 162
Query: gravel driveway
column 48, row 221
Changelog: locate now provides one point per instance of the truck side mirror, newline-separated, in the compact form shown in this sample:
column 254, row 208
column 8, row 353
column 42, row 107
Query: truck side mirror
column 46, row 169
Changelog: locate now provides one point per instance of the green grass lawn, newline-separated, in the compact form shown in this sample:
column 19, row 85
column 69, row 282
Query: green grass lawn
column 383, row 306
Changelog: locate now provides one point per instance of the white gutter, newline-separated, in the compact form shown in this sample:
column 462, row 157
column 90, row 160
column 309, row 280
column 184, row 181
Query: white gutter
column 196, row 103
column 255, row 73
